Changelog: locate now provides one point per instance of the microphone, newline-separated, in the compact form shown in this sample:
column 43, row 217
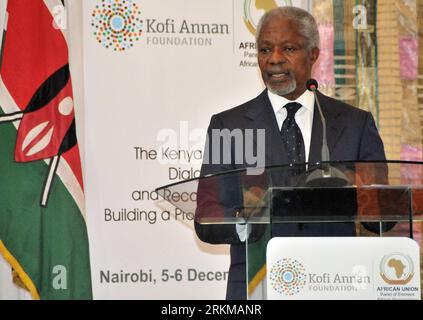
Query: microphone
column 312, row 86
column 327, row 176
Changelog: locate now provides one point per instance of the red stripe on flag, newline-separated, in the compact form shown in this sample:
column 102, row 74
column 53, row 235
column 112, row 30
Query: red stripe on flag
column 33, row 49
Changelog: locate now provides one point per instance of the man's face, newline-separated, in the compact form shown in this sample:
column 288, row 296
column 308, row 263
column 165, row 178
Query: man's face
column 284, row 59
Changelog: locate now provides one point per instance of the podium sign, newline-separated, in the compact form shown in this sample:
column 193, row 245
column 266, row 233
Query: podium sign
column 341, row 225
column 345, row 268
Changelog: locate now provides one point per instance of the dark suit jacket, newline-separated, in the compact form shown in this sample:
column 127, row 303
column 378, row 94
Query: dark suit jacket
column 352, row 136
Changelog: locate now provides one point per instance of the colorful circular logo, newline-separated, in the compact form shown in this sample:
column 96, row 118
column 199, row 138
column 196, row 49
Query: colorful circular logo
column 397, row 269
column 287, row 276
column 117, row 24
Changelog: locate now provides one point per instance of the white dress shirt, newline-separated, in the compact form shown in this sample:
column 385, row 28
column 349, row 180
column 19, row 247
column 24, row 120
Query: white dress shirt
column 303, row 118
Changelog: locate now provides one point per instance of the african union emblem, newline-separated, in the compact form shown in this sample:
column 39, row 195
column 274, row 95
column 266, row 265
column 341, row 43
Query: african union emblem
column 287, row 276
column 117, row 24
column 253, row 10
column 397, row 269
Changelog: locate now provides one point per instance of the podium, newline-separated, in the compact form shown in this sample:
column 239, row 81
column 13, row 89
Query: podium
column 342, row 202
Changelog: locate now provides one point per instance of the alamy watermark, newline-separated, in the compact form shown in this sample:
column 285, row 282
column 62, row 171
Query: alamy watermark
column 60, row 20
column 360, row 18
column 60, row 278
column 242, row 148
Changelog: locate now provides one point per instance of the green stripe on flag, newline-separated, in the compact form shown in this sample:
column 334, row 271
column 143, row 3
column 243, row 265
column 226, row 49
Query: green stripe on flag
column 50, row 244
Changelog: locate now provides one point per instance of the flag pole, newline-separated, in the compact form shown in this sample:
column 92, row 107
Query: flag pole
column 54, row 162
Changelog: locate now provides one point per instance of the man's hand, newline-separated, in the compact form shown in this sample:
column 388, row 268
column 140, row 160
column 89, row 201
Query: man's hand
column 253, row 198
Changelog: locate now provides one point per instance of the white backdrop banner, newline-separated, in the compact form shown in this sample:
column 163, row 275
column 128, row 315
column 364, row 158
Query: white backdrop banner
column 155, row 73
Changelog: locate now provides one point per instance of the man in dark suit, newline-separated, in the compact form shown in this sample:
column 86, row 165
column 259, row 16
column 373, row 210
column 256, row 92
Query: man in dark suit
column 288, row 46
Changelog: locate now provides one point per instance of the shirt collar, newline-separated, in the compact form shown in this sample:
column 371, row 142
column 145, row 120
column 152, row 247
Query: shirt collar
column 278, row 102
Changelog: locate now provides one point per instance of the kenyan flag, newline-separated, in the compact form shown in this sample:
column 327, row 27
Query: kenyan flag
column 43, row 232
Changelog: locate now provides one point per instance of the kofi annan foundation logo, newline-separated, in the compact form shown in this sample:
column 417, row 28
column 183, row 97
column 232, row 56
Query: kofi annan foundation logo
column 253, row 10
column 117, row 24
column 397, row 269
column 287, row 276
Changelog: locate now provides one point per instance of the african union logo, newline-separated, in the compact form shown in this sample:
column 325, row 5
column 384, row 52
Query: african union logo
column 117, row 24
column 253, row 10
column 397, row 269
column 287, row 276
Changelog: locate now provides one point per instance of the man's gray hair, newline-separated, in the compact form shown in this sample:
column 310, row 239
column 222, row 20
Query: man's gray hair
column 307, row 25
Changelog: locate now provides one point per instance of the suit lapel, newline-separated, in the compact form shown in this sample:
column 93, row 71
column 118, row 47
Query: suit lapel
column 334, row 128
column 262, row 116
